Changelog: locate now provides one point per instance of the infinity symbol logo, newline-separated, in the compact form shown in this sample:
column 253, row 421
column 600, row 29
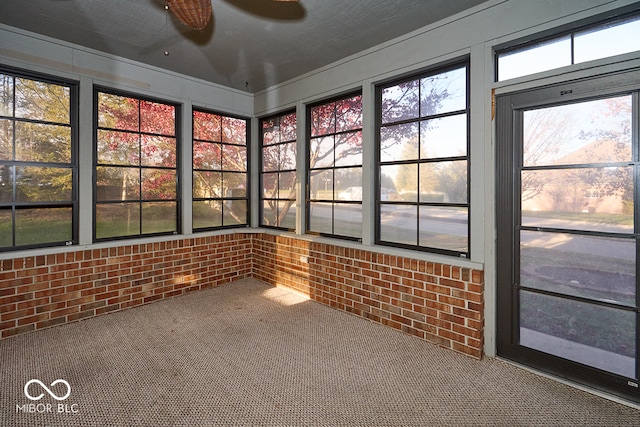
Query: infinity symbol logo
column 52, row 394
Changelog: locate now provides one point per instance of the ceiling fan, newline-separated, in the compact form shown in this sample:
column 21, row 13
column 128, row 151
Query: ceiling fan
column 196, row 13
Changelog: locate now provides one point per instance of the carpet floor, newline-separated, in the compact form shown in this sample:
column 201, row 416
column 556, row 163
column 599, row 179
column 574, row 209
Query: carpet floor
column 247, row 354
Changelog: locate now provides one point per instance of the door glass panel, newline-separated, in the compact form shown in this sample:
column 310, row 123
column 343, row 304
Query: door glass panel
column 595, row 199
column 594, row 335
column 588, row 132
column 600, row 268
column 578, row 175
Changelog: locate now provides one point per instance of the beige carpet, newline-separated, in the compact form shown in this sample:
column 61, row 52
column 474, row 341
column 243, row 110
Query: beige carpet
column 249, row 354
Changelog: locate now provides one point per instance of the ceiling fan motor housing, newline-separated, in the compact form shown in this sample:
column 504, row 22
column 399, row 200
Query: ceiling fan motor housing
column 193, row 13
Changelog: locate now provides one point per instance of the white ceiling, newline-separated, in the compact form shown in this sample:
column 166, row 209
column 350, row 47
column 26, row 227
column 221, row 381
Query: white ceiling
column 248, row 45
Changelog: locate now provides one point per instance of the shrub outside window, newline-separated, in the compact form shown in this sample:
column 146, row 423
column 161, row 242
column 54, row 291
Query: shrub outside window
column 38, row 162
column 136, row 176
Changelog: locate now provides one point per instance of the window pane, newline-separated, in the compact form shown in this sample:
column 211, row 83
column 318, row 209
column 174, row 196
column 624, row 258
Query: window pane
column 118, row 112
column 157, row 118
column 38, row 142
column 535, row 58
column 207, row 184
column 349, row 114
column 600, row 268
column 279, row 213
column 118, row 219
column 348, row 184
column 270, row 136
column 235, row 184
column 207, row 214
column 40, row 226
column 404, row 179
column 400, row 102
column 321, row 184
column 6, row 183
column 158, row 151
column 43, row 184
column 159, row 217
column 234, row 212
column 322, row 153
column 270, row 158
column 118, row 148
column 320, row 218
column 158, row 184
column 6, row 228
column 589, row 132
column 443, row 182
column 288, row 127
column 234, row 158
column 347, row 219
column 6, row 95
column 207, row 126
column 399, row 142
column 270, row 185
column 444, row 228
column 234, row 130
column 349, row 149
column 596, row 199
column 207, row 156
column 287, row 187
column 444, row 92
column 607, row 40
column 323, row 119
column 269, row 213
column 398, row 224
column 593, row 335
column 445, row 137
column 117, row 183
column 288, row 156
column 287, row 212
column 42, row 101
column 6, row 139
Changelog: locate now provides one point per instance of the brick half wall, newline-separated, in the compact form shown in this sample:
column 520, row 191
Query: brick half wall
column 41, row 291
column 439, row 303
column 436, row 302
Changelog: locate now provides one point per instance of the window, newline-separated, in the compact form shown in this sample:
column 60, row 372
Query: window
column 136, row 176
column 589, row 43
column 220, row 197
column 335, row 168
column 38, row 162
column 423, row 140
column 278, row 173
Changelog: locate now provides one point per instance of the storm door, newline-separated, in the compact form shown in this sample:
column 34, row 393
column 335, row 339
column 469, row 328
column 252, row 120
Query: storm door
column 568, row 171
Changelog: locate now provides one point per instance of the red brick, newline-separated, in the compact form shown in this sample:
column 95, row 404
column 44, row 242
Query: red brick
column 33, row 319
column 17, row 331
column 16, row 314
